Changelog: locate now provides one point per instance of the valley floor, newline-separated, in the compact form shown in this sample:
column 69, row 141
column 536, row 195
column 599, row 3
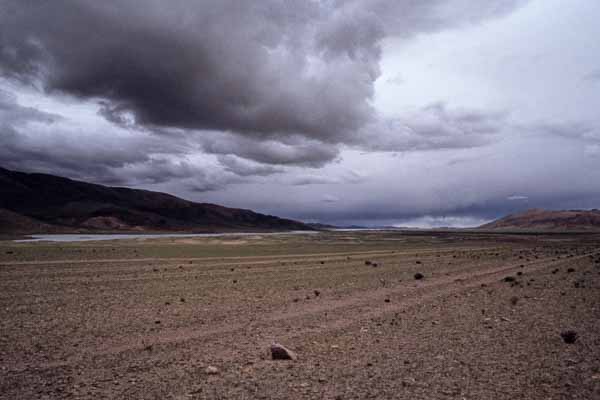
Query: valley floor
column 144, row 319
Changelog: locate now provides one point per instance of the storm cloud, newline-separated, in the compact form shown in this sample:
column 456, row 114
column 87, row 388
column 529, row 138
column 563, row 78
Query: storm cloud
column 269, row 70
column 438, row 111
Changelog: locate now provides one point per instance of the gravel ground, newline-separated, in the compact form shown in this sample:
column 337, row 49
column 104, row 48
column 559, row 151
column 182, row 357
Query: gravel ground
column 146, row 319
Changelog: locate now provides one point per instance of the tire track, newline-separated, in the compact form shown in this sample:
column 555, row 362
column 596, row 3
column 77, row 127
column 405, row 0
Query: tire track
column 366, row 306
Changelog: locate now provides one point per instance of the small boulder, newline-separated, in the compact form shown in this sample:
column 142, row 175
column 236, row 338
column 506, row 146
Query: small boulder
column 279, row 352
column 211, row 370
column 569, row 337
column 419, row 276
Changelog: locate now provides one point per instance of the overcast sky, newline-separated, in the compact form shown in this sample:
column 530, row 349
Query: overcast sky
column 372, row 112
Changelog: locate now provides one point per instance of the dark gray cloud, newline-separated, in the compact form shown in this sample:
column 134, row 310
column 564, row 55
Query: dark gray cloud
column 33, row 140
column 271, row 105
column 287, row 151
column 268, row 70
column 242, row 167
column 436, row 127
column 214, row 64
column 348, row 177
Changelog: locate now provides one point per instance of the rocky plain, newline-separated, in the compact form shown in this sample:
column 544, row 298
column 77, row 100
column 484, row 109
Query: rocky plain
column 333, row 315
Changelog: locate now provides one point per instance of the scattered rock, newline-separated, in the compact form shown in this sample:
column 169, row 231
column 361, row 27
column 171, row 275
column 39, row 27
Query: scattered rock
column 569, row 336
column 571, row 270
column 514, row 300
column 279, row 352
column 419, row 276
column 367, row 262
column 317, row 293
column 387, row 300
column 509, row 279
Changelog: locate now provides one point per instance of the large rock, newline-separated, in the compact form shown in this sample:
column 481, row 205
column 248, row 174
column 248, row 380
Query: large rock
column 211, row 370
column 279, row 352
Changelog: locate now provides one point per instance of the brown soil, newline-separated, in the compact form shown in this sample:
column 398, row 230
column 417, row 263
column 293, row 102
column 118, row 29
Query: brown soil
column 149, row 326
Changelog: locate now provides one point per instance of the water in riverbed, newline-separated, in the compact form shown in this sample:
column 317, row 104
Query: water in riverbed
column 93, row 237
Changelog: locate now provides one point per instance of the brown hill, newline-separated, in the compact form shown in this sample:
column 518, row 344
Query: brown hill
column 539, row 219
column 42, row 203
column 11, row 222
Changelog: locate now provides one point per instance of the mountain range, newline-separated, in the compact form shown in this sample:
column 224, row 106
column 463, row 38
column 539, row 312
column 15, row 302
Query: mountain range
column 548, row 220
column 42, row 203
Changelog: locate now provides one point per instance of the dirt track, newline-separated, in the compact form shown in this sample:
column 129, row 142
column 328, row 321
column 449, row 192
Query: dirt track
column 127, row 321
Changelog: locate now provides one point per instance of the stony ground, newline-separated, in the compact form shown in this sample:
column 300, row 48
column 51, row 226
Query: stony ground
column 194, row 319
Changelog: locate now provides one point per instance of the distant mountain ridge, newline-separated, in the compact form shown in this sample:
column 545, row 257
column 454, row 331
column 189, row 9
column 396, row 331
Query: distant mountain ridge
column 42, row 203
column 567, row 220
